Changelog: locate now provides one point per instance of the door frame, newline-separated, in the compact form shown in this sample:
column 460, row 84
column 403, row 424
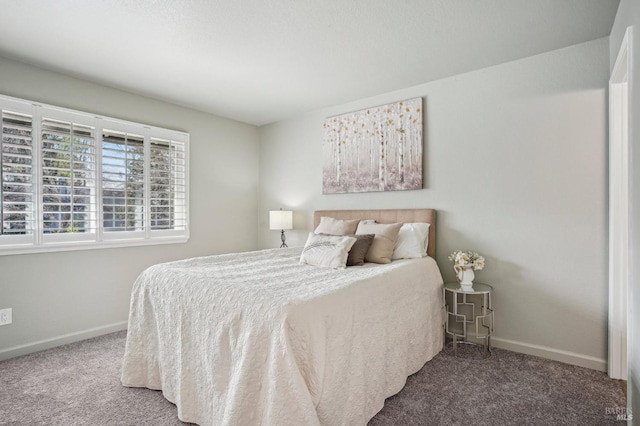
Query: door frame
column 619, row 95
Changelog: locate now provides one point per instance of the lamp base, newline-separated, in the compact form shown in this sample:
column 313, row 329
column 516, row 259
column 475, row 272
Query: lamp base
column 283, row 238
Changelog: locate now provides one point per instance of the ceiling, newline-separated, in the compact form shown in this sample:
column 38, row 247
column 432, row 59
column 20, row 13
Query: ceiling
column 261, row 61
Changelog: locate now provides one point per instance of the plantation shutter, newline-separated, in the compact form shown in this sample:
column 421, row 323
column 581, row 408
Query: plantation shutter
column 72, row 180
column 17, row 209
column 167, row 182
column 69, row 204
column 123, row 198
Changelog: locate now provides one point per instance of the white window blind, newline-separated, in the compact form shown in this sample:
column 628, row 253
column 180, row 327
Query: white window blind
column 123, row 177
column 73, row 180
column 167, row 178
column 68, row 173
column 16, row 180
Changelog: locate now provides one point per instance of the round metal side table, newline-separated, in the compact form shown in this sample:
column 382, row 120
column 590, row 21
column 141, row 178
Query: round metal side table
column 468, row 316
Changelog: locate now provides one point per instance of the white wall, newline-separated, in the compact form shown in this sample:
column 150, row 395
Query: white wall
column 629, row 15
column 515, row 161
column 66, row 296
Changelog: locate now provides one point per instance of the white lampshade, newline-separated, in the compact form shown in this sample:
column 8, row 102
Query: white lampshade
column 280, row 219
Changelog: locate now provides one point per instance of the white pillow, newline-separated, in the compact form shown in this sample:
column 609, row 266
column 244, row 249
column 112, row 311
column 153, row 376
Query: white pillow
column 412, row 241
column 331, row 226
column 327, row 250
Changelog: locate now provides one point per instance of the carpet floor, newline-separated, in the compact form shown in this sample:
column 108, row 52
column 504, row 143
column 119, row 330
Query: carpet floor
column 79, row 384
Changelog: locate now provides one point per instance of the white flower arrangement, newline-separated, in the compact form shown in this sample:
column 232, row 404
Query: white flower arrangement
column 466, row 259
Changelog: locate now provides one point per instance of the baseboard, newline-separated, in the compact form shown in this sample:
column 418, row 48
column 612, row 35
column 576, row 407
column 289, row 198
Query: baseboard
column 551, row 353
column 64, row 339
column 511, row 345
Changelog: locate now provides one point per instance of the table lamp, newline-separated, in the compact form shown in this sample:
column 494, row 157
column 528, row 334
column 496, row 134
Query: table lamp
column 281, row 219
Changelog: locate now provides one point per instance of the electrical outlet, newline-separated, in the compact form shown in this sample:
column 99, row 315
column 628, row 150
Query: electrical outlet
column 5, row 316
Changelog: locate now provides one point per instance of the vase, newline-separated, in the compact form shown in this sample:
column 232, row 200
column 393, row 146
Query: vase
column 465, row 276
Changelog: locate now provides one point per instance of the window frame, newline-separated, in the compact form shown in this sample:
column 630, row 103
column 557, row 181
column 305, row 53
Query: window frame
column 39, row 241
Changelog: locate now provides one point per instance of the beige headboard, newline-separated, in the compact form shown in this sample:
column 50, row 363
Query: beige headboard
column 387, row 216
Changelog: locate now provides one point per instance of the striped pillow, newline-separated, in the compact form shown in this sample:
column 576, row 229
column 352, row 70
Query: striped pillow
column 327, row 250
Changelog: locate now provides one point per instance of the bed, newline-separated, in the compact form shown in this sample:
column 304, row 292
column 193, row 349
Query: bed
column 259, row 338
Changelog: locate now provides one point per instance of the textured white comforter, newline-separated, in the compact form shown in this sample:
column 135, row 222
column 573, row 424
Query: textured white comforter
column 256, row 338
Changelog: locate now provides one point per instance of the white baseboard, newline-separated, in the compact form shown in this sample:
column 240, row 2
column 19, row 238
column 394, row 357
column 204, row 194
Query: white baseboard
column 41, row 345
column 511, row 345
column 551, row 353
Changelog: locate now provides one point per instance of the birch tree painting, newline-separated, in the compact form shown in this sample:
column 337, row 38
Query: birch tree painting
column 375, row 149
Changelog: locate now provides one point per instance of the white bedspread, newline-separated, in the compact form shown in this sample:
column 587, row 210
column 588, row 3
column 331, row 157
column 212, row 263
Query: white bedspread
column 256, row 338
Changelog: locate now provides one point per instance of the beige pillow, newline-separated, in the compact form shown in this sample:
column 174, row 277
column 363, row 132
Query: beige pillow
column 382, row 246
column 331, row 226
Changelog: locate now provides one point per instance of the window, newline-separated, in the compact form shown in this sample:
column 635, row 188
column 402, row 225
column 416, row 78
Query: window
column 68, row 183
column 123, row 177
column 72, row 180
column 16, row 179
column 168, row 191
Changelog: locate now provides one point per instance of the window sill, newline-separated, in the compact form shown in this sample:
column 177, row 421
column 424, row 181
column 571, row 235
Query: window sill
column 57, row 247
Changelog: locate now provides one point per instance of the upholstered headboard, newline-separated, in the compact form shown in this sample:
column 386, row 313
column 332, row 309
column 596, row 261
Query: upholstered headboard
column 387, row 216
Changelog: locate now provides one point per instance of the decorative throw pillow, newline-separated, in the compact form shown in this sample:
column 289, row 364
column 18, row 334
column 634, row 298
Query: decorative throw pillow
column 331, row 226
column 359, row 249
column 412, row 241
column 384, row 241
column 327, row 250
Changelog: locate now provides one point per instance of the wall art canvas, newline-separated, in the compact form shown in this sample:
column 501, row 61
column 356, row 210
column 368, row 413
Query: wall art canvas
column 375, row 149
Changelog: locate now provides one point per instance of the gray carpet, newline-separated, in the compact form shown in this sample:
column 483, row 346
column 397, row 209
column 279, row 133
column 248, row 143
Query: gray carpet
column 79, row 384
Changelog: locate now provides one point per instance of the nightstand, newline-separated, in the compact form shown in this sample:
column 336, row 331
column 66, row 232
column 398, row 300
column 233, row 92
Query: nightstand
column 468, row 316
